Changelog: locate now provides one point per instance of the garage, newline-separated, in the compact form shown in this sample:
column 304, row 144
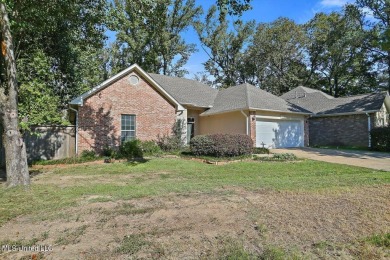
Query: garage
column 274, row 133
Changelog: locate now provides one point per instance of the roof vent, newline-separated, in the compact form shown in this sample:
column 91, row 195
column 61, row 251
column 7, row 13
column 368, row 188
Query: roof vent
column 134, row 80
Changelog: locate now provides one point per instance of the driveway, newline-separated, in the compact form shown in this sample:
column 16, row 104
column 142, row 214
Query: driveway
column 373, row 160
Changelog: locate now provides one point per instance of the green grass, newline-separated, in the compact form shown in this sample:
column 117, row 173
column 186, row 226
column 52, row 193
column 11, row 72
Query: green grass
column 161, row 176
column 380, row 240
column 131, row 244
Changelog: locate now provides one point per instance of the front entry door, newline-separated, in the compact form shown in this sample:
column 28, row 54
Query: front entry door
column 190, row 128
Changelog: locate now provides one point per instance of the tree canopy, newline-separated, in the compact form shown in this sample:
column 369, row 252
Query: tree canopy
column 149, row 34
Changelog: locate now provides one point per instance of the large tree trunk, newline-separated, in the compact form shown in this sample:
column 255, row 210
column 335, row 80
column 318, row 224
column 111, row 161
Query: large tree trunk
column 388, row 71
column 15, row 149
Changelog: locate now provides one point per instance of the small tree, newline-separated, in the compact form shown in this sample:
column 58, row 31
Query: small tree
column 176, row 140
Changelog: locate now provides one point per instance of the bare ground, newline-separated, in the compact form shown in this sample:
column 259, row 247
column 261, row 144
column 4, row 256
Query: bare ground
column 319, row 225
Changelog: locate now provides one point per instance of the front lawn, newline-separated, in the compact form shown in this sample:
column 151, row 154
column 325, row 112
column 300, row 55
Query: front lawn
column 260, row 200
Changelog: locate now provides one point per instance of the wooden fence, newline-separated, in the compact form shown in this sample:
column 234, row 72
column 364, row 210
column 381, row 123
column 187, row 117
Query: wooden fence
column 47, row 143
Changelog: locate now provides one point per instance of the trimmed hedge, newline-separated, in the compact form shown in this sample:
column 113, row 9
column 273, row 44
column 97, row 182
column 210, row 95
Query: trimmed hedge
column 221, row 145
column 380, row 139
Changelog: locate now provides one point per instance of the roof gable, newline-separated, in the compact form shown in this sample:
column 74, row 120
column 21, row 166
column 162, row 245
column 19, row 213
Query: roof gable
column 133, row 68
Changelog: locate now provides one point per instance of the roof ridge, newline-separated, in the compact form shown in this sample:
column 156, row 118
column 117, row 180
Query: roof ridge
column 247, row 95
column 363, row 94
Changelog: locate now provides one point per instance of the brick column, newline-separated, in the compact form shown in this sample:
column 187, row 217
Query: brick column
column 252, row 123
column 306, row 141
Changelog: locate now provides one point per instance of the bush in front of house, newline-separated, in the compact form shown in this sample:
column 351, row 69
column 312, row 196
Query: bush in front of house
column 131, row 149
column 202, row 145
column 169, row 143
column 174, row 141
column 380, row 139
column 285, row 156
column 88, row 154
column 260, row 150
column 150, row 148
column 221, row 145
column 280, row 157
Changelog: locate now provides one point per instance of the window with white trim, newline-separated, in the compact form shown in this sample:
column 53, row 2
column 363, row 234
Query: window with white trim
column 127, row 128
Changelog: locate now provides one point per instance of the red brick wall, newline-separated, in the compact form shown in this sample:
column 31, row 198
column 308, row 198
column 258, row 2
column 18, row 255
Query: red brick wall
column 306, row 130
column 252, row 122
column 100, row 116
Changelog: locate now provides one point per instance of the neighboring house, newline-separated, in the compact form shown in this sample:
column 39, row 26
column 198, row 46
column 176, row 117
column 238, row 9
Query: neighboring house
column 135, row 104
column 344, row 121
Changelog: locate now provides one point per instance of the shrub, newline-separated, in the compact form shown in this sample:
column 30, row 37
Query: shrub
column 150, row 148
column 202, row 145
column 277, row 157
column 131, row 149
column 169, row 143
column 380, row 139
column 221, row 145
column 175, row 141
column 285, row 156
column 88, row 154
column 108, row 152
column 260, row 150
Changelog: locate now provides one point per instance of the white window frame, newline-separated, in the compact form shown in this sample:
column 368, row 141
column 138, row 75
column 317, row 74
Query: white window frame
column 135, row 127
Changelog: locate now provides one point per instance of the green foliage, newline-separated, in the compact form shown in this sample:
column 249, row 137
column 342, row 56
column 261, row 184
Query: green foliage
column 108, row 152
column 274, row 60
column 221, row 145
column 260, row 150
column 339, row 52
column 380, row 138
column 224, row 47
column 131, row 149
column 173, row 142
column 202, row 145
column 232, row 7
column 38, row 103
column 88, row 154
column 58, row 46
column 278, row 157
column 149, row 34
column 150, row 148
column 381, row 27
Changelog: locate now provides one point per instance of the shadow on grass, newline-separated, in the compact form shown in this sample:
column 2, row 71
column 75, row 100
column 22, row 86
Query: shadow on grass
column 137, row 161
column 34, row 173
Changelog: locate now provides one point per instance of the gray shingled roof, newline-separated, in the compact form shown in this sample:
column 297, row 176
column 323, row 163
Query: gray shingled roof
column 320, row 103
column 246, row 96
column 187, row 91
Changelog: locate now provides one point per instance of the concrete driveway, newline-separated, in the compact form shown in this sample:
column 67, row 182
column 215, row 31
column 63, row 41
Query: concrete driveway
column 373, row 160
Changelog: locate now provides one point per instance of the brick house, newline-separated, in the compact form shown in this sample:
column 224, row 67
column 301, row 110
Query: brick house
column 344, row 121
column 136, row 104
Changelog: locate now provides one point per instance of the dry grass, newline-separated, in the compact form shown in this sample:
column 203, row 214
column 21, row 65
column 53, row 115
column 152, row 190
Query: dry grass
column 174, row 209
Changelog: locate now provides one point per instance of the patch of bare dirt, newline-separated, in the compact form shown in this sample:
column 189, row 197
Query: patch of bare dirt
column 195, row 226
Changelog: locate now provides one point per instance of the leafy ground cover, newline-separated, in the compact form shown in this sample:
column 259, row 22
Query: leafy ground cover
column 176, row 208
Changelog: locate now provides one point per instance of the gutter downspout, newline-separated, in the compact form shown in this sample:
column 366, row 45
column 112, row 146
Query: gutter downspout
column 77, row 129
column 369, row 130
column 247, row 121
